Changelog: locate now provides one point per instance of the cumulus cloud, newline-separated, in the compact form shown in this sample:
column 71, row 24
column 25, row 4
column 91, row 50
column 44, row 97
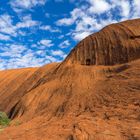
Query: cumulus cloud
column 79, row 36
column 46, row 42
column 125, row 8
column 84, row 23
column 65, row 21
column 136, row 8
column 80, row 22
column 51, row 58
column 17, row 56
column 26, row 60
column 61, row 36
column 64, row 44
column 97, row 14
column 12, row 51
column 99, row 6
column 74, row 15
column 4, row 37
column 49, row 28
column 20, row 5
column 27, row 22
column 6, row 25
column 59, row 53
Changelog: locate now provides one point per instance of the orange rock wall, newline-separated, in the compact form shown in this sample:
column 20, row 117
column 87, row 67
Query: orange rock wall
column 115, row 44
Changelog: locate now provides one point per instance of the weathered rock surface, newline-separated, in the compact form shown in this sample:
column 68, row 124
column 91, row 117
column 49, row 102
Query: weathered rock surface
column 115, row 44
column 70, row 101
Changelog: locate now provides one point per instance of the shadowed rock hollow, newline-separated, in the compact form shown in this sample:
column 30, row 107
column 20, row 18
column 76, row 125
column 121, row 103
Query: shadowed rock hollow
column 73, row 101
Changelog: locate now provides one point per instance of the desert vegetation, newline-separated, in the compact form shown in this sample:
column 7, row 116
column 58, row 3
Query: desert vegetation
column 4, row 120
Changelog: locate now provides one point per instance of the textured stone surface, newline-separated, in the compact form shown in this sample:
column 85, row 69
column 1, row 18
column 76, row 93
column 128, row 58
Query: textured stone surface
column 62, row 101
column 115, row 44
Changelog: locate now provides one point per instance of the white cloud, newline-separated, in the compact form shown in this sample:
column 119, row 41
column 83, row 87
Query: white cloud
column 74, row 15
column 136, row 8
column 61, row 36
column 27, row 60
column 27, row 22
column 20, row 5
column 90, row 19
column 46, row 27
column 20, row 56
column 79, row 36
column 125, row 6
column 65, row 21
column 51, row 58
column 64, row 44
column 86, row 20
column 4, row 37
column 46, row 42
column 49, row 28
column 6, row 25
column 85, row 24
column 13, row 51
column 58, row 53
column 99, row 6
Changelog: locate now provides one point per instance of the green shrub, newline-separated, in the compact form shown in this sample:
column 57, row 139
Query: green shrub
column 4, row 120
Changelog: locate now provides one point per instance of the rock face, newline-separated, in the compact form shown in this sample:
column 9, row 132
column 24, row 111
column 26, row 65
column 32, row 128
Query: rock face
column 115, row 44
column 70, row 101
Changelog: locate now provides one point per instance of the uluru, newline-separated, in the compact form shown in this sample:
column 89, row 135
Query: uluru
column 94, row 94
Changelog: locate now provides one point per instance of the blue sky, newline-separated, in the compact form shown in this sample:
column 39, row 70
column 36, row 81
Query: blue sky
column 37, row 32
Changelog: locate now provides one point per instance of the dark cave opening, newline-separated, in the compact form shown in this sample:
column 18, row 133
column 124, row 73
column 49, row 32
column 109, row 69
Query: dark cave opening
column 88, row 62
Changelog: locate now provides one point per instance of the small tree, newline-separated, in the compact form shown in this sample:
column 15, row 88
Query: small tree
column 4, row 120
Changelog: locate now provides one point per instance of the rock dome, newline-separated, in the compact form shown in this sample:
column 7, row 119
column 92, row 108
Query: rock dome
column 115, row 44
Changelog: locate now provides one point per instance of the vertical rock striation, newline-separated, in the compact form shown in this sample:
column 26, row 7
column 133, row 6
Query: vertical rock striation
column 115, row 44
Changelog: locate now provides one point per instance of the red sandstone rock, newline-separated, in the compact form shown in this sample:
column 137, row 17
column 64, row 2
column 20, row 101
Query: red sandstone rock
column 70, row 101
column 115, row 44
